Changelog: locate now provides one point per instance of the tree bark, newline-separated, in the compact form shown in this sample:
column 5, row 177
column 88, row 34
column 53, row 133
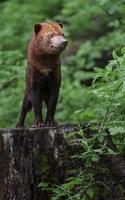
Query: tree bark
column 27, row 156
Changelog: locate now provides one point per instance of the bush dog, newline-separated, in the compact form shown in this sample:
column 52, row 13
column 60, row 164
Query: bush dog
column 43, row 75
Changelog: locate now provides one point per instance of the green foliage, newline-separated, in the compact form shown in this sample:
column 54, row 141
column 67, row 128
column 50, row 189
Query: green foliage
column 82, row 182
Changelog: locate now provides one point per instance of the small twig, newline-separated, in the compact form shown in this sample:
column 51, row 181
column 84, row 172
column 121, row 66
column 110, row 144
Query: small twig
column 109, row 108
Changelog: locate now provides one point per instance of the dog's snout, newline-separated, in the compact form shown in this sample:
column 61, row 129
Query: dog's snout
column 64, row 42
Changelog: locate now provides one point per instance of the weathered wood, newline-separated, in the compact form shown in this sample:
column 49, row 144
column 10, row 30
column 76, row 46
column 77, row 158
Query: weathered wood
column 25, row 156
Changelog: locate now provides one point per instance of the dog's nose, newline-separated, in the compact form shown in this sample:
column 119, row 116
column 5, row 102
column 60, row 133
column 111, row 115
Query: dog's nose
column 64, row 42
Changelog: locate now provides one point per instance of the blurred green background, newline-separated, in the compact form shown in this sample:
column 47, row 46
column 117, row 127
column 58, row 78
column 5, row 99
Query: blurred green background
column 90, row 75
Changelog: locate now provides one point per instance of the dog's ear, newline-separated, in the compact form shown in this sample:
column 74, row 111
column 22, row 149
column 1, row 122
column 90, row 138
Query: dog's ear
column 61, row 24
column 37, row 28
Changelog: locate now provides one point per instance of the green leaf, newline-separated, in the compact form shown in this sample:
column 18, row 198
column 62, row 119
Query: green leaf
column 100, row 138
column 116, row 130
column 114, row 54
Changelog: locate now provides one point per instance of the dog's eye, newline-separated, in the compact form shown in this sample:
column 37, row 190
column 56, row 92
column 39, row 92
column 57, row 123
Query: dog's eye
column 50, row 35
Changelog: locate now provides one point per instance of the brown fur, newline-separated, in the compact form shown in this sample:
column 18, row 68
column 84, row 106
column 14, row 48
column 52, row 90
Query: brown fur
column 43, row 75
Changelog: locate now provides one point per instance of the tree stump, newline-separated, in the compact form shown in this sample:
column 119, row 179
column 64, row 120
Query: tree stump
column 26, row 156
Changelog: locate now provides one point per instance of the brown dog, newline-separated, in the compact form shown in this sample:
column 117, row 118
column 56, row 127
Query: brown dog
column 43, row 76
